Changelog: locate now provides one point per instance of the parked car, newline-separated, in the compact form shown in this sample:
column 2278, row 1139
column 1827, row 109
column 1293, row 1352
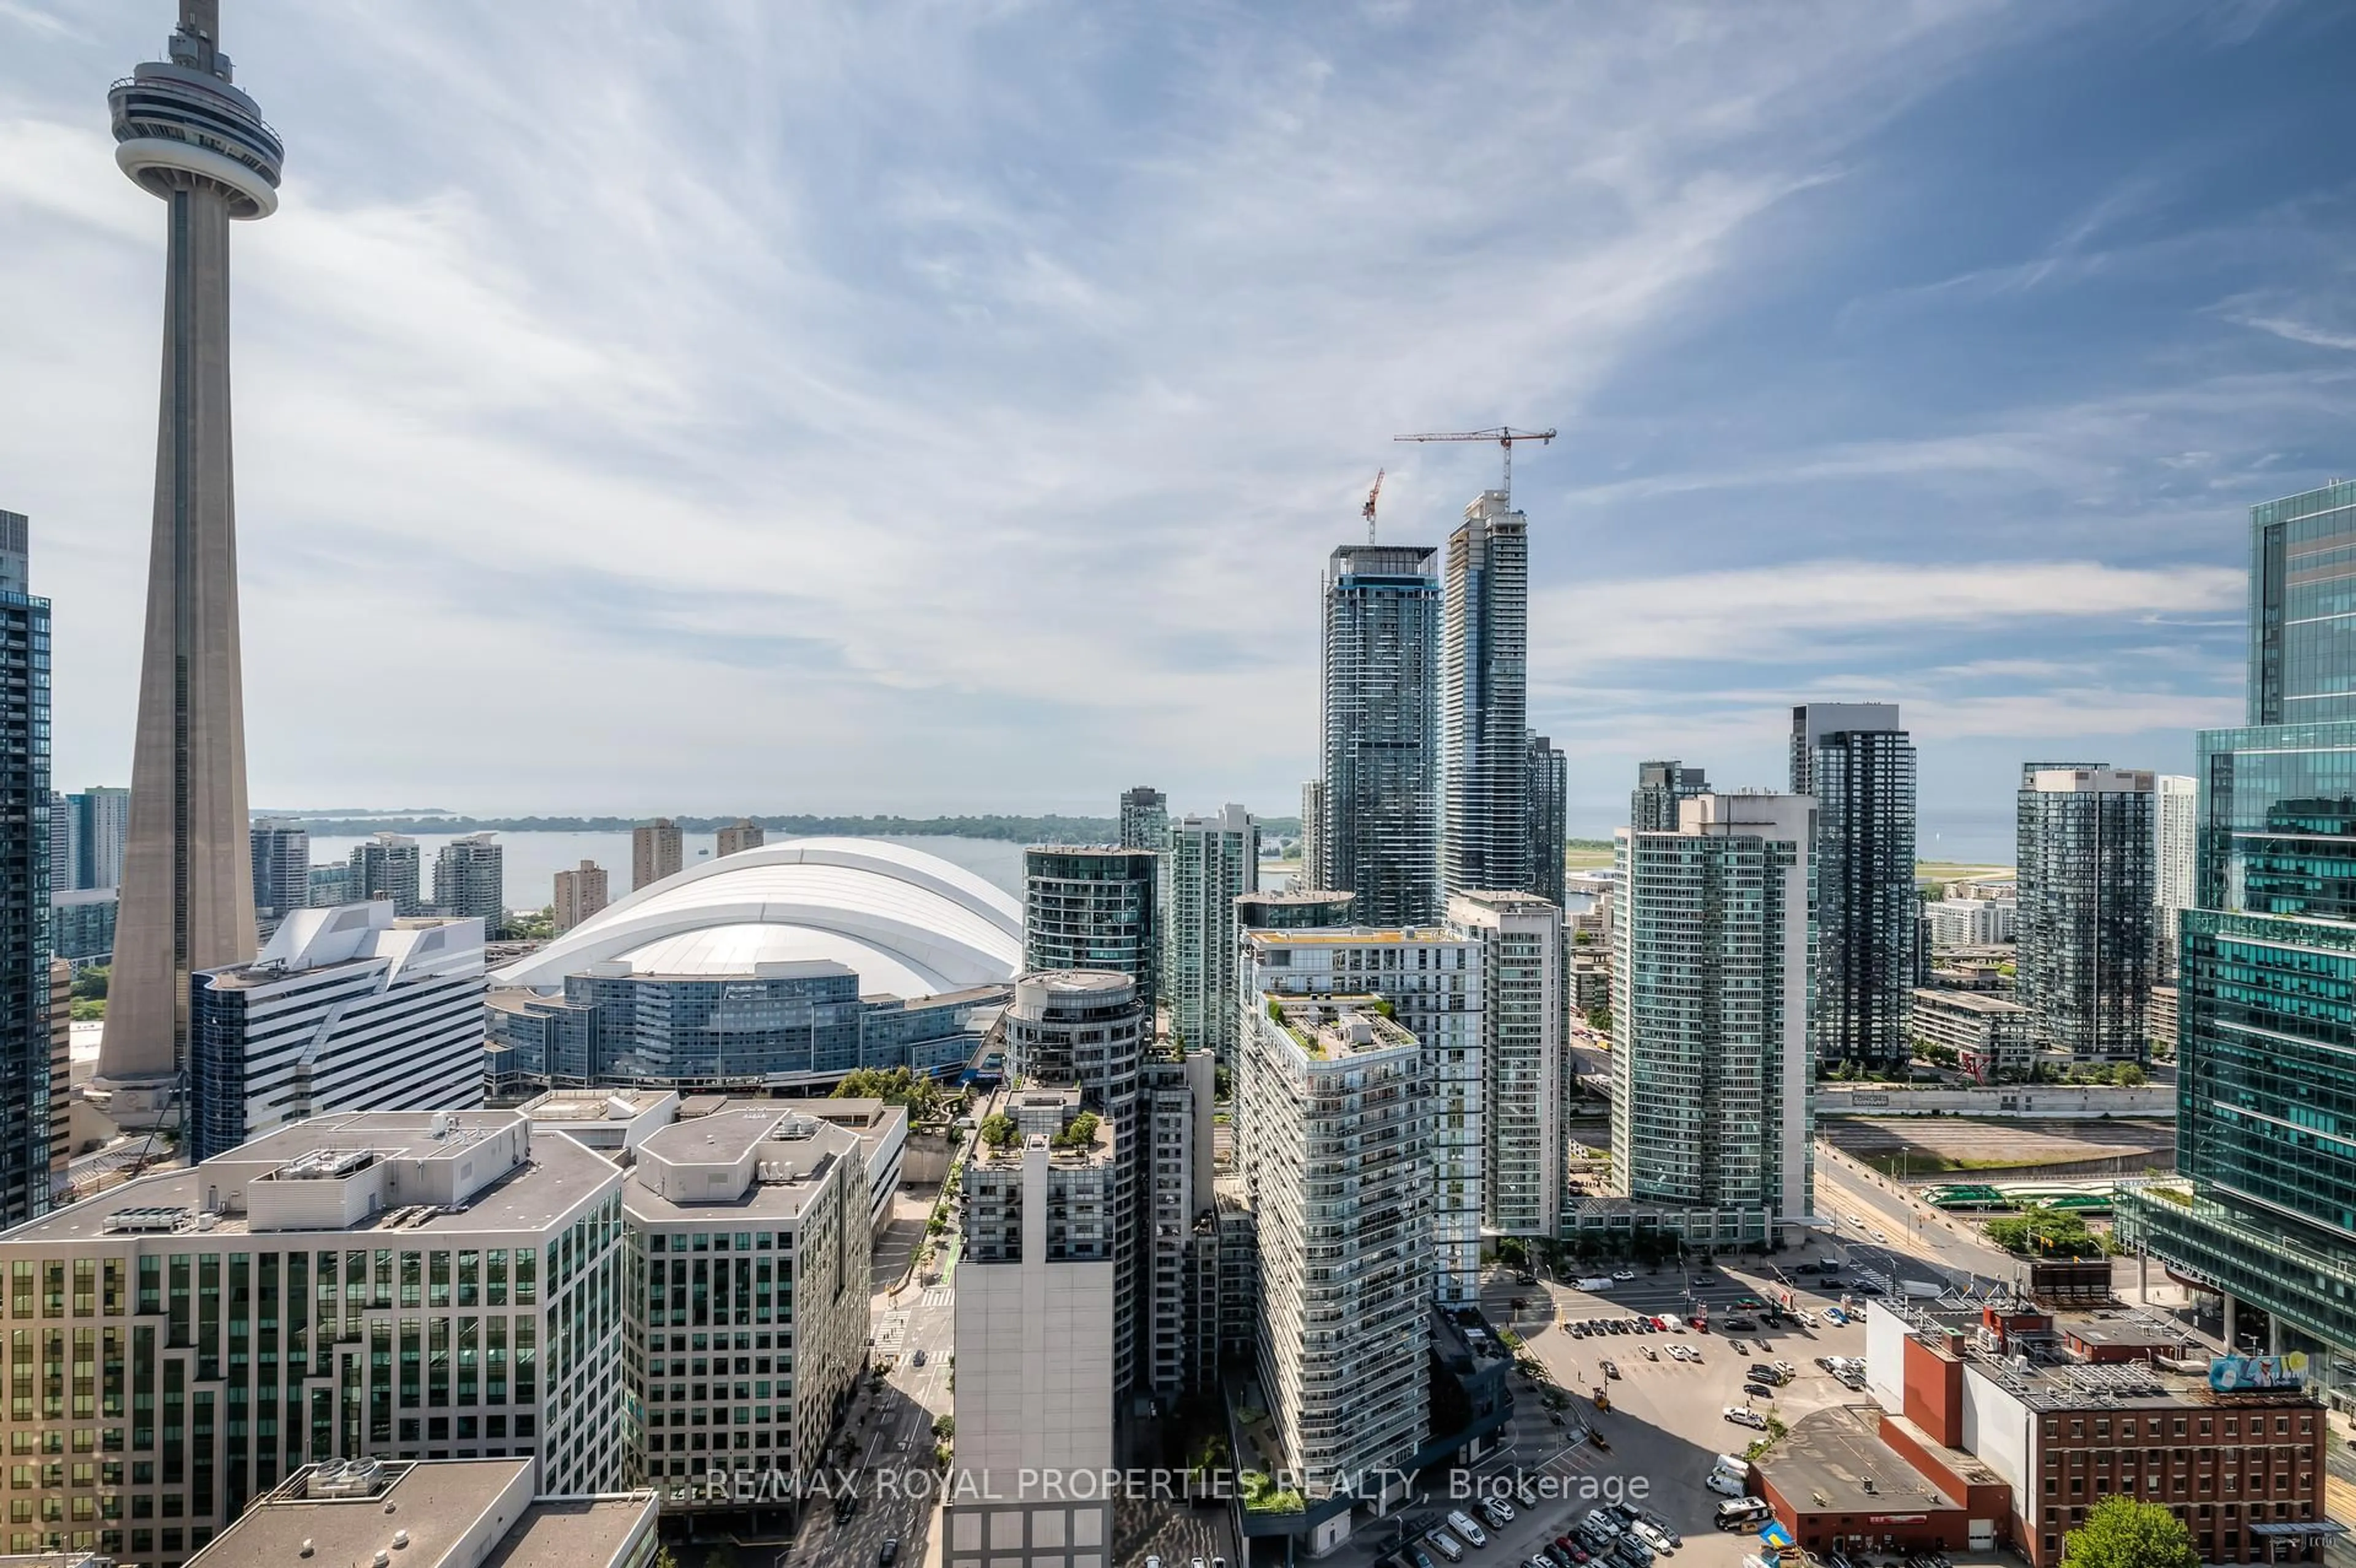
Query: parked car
column 1499, row 1511
column 1743, row 1416
column 1461, row 1523
column 1651, row 1354
column 1648, row 1532
column 1447, row 1545
column 1624, row 1274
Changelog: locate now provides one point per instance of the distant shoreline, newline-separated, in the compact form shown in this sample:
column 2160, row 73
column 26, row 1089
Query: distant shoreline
column 1013, row 829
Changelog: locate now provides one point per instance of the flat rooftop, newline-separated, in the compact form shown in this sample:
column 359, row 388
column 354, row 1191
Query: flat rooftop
column 1986, row 1002
column 1836, row 1462
column 554, row 1177
column 1340, row 1027
column 791, row 1169
column 1351, row 935
column 437, row 1504
column 2053, row 1379
column 570, row 1532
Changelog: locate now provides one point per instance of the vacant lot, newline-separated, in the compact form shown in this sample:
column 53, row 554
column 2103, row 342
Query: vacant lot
column 1930, row 1146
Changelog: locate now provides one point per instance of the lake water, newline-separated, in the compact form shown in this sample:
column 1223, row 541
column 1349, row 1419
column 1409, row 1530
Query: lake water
column 532, row 859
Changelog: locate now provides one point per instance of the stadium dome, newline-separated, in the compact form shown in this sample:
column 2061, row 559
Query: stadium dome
column 912, row 924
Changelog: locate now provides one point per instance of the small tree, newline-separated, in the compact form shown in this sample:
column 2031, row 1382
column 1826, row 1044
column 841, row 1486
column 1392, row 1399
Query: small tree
column 2122, row 1533
column 998, row 1130
column 2127, row 1075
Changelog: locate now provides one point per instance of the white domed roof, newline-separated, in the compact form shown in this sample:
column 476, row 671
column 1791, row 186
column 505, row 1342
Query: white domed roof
column 910, row 923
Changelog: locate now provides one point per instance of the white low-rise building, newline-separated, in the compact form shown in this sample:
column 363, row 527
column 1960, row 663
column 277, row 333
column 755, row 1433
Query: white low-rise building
column 350, row 1008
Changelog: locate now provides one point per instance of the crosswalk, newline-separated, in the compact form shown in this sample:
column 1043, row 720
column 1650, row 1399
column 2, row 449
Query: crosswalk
column 939, row 1294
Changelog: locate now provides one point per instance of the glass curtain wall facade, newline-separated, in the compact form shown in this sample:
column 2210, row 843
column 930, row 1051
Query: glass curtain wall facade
column 1710, row 1102
column 1660, row 787
column 25, row 872
column 1379, row 812
column 1549, row 806
column 1863, row 781
column 1094, row 907
column 1211, row 862
column 2267, row 1084
column 2086, row 914
column 1484, row 701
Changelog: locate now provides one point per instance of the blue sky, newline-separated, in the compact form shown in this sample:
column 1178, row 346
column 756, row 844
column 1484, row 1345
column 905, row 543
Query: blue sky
column 940, row 407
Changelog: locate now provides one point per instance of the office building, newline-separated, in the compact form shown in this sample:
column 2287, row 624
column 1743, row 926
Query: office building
column 2160, row 1026
column 1346, row 1272
column 1857, row 763
column 399, row 1284
column 1312, row 833
column 1179, row 1123
column 346, row 1009
column 60, row 1081
column 1711, row 1075
column 447, row 1513
column 1994, row 1038
column 385, row 869
column 82, row 926
column 2034, row 1409
column 185, row 134
column 1971, row 922
column 1094, row 907
column 2264, row 1208
column 24, row 886
column 1484, row 701
column 1087, row 1032
column 657, row 850
column 1548, row 790
column 1302, row 909
column 99, row 826
column 1379, row 806
column 753, row 1221
column 1036, row 1328
column 796, row 1026
column 1523, row 1067
column 2176, row 815
column 61, row 838
column 1211, row 862
column 330, row 885
column 282, row 871
column 469, row 880
column 1661, row 789
column 2087, row 947
column 743, row 834
column 1434, row 981
column 1144, row 818
column 579, row 893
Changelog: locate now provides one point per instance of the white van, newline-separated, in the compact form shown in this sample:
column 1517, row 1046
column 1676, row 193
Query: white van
column 1461, row 1523
column 1733, row 1465
column 1724, row 1485
column 1446, row 1545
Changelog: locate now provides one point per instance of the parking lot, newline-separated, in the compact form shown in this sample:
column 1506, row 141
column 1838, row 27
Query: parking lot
column 1667, row 1424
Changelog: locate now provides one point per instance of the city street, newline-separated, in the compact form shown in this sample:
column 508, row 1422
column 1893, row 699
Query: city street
column 889, row 1427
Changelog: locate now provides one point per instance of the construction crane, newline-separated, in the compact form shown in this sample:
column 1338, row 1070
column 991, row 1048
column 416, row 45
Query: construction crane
column 1503, row 436
column 1369, row 508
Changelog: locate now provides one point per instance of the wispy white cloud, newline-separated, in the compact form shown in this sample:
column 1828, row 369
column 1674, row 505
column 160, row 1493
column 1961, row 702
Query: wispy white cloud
column 1817, row 607
column 907, row 406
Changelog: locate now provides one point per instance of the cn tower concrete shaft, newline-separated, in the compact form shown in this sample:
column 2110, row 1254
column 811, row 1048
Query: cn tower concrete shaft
column 185, row 135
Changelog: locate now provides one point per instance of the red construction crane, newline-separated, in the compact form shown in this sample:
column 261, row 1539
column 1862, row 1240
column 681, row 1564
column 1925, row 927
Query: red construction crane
column 1503, row 436
column 1369, row 508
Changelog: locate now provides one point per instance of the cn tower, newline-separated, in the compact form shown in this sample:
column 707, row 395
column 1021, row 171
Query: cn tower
column 189, row 137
